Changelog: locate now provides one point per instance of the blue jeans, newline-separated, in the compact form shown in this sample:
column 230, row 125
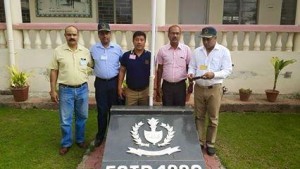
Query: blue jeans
column 73, row 100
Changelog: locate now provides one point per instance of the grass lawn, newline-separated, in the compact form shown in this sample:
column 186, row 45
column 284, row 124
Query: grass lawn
column 30, row 139
column 259, row 140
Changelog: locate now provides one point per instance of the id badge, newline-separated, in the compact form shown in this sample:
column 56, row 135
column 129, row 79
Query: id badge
column 83, row 62
column 202, row 67
column 103, row 57
column 132, row 56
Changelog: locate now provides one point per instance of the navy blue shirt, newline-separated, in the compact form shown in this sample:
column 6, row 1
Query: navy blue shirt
column 137, row 69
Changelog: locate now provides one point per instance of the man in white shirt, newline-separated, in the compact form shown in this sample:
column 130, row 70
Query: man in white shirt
column 209, row 66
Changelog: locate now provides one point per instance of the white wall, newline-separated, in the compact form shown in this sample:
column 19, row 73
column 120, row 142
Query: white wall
column 141, row 11
column 192, row 11
column 269, row 12
column 252, row 69
column 34, row 61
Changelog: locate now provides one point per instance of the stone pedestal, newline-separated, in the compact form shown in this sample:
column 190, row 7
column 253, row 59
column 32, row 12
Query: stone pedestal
column 152, row 138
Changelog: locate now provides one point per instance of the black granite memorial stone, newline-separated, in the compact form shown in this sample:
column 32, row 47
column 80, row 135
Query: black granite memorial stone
column 152, row 138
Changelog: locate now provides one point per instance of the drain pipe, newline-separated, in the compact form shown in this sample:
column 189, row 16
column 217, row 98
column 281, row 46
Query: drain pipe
column 9, row 29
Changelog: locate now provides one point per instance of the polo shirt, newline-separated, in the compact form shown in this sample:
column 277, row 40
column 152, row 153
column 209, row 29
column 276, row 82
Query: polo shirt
column 72, row 66
column 137, row 69
column 174, row 62
column 217, row 61
column 106, row 60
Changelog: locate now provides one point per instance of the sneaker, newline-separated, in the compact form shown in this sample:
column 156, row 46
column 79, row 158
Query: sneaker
column 210, row 151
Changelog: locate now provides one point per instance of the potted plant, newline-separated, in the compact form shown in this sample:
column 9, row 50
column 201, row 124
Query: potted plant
column 18, row 84
column 278, row 65
column 245, row 94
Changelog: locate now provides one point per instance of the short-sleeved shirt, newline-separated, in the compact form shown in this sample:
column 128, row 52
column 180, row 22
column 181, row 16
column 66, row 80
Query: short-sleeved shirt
column 174, row 62
column 72, row 66
column 106, row 60
column 137, row 69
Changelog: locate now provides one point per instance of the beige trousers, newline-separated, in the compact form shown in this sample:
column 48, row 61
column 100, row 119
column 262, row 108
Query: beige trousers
column 137, row 98
column 207, row 104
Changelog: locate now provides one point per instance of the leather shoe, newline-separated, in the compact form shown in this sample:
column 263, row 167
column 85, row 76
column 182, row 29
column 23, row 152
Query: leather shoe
column 63, row 150
column 210, row 151
column 98, row 142
column 82, row 145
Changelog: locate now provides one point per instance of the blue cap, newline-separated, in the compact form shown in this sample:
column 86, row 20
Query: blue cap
column 208, row 32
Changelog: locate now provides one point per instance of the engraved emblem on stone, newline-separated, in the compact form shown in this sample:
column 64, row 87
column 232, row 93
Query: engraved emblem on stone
column 153, row 136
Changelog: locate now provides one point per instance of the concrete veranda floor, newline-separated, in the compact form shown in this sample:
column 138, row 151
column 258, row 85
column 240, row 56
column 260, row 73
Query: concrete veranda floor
column 230, row 103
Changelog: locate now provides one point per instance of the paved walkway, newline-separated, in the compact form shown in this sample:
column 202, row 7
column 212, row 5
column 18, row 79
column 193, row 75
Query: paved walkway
column 231, row 103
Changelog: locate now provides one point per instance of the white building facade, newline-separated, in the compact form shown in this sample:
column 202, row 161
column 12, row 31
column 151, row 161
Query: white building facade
column 253, row 30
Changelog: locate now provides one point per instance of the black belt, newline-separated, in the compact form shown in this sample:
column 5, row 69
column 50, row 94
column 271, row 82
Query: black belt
column 138, row 89
column 210, row 87
column 73, row 86
column 113, row 78
column 174, row 82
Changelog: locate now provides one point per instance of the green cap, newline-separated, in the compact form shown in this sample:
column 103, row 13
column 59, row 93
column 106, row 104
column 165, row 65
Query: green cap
column 208, row 32
column 103, row 27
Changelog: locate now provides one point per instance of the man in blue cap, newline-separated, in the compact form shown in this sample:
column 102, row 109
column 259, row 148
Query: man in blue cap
column 106, row 56
column 210, row 65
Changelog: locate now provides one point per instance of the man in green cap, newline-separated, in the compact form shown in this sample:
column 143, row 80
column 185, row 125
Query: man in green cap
column 106, row 56
column 210, row 65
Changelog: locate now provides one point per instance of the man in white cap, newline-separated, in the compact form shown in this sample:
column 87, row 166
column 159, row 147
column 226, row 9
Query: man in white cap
column 210, row 65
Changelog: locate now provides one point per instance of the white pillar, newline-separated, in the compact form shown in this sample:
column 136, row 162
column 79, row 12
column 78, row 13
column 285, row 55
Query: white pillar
column 10, row 37
column 297, row 19
column 160, row 21
column 16, row 16
column 297, row 22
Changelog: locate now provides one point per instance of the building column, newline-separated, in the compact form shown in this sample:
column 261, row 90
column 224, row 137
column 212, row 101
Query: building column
column 297, row 19
column 297, row 22
column 142, row 15
column 16, row 16
column 215, row 11
column 160, row 21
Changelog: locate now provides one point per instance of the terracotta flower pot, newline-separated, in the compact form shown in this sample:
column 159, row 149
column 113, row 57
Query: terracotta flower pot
column 244, row 96
column 20, row 94
column 271, row 95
